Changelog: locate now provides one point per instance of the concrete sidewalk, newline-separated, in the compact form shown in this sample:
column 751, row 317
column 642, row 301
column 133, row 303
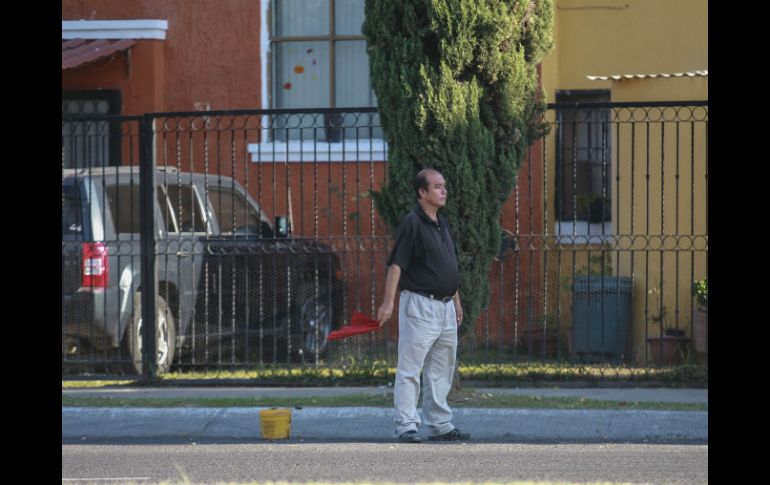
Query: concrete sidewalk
column 376, row 424
column 605, row 394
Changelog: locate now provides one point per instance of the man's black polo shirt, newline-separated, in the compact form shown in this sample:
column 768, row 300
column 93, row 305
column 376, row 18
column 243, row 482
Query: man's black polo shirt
column 427, row 255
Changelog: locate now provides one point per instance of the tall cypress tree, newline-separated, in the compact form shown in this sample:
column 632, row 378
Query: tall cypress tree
column 457, row 89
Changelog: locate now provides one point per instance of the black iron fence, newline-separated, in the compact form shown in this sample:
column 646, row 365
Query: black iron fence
column 260, row 237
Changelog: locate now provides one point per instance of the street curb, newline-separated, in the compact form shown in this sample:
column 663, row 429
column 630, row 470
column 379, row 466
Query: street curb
column 370, row 423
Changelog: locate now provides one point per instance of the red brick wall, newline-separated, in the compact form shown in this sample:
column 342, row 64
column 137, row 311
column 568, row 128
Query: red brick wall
column 211, row 54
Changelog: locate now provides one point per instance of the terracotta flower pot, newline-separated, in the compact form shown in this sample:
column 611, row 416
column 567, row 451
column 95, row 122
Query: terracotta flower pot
column 667, row 350
column 700, row 324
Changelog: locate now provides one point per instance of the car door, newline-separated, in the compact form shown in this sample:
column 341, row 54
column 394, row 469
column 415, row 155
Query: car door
column 181, row 209
column 249, row 279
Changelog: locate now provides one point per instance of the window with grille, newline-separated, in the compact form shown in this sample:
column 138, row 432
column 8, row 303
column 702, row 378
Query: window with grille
column 583, row 164
column 90, row 143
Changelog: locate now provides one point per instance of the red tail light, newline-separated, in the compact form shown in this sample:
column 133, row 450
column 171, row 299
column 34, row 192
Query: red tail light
column 96, row 267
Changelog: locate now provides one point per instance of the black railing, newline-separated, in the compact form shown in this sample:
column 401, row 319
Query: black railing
column 604, row 235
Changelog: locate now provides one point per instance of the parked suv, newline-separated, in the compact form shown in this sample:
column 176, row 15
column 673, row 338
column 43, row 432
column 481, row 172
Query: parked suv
column 230, row 287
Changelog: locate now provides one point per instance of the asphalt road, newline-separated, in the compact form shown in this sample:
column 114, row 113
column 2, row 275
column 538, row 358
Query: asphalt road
column 142, row 461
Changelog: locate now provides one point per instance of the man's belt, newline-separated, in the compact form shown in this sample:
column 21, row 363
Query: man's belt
column 443, row 299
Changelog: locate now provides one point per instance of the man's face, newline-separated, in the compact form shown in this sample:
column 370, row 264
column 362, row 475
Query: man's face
column 436, row 193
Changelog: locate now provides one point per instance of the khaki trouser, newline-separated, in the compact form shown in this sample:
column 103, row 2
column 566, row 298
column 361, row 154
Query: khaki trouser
column 427, row 335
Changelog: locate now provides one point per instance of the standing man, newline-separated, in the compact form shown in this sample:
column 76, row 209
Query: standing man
column 423, row 264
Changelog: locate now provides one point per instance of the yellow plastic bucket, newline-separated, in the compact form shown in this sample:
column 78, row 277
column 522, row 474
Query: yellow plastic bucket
column 275, row 424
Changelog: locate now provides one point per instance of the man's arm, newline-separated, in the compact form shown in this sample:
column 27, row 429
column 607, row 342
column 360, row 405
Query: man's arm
column 391, row 284
column 458, row 308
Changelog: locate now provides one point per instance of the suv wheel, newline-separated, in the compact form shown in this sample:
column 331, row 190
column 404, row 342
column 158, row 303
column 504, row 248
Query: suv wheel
column 315, row 324
column 165, row 337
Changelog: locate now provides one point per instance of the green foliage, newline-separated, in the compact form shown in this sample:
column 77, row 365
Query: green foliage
column 599, row 264
column 660, row 316
column 593, row 207
column 379, row 372
column 700, row 289
column 457, row 89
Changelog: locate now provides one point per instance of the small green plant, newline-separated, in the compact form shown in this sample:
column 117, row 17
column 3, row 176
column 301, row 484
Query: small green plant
column 700, row 290
column 661, row 317
column 593, row 207
column 599, row 264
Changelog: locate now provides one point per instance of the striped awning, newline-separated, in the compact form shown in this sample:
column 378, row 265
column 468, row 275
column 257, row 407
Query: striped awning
column 76, row 52
column 621, row 77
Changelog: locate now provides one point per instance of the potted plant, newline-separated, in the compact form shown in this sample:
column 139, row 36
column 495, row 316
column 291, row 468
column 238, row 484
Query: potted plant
column 669, row 347
column 593, row 207
column 700, row 329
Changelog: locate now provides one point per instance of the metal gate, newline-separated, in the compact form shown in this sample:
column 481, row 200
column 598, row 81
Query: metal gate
column 261, row 237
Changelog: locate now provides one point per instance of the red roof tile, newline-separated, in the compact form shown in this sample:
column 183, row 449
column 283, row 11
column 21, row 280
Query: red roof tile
column 76, row 52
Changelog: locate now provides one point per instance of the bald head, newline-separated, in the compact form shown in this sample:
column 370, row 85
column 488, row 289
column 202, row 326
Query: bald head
column 421, row 180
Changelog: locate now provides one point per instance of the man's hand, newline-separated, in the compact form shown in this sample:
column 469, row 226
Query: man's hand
column 458, row 310
column 385, row 312
column 391, row 283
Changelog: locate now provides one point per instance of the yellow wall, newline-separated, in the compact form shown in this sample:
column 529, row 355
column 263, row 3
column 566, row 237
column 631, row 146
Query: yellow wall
column 657, row 89
column 603, row 37
column 607, row 37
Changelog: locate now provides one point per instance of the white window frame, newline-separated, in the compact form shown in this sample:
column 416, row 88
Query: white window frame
column 583, row 232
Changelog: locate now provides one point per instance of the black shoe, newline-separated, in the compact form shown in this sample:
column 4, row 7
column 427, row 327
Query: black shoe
column 410, row 437
column 454, row 435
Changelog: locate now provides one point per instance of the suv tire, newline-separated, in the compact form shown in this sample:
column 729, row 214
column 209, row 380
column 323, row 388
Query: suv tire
column 314, row 320
column 165, row 337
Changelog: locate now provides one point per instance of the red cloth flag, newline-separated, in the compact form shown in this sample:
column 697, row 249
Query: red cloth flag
column 359, row 323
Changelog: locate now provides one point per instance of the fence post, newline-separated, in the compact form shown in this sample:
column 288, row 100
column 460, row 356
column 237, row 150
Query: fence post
column 147, row 237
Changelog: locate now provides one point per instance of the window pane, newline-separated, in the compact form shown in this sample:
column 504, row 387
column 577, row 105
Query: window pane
column 351, row 75
column 300, row 80
column 301, row 74
column 352, row 88
column 348, row 17
column 584, row 159
column 585, row 166
column 300, row 17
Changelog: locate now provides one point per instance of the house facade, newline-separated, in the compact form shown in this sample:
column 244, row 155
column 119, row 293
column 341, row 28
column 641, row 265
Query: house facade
column 648, row 165
column 197, row 56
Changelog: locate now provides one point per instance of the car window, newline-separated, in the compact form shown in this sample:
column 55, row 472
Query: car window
column 234, row 212
column 123, row 201
column 166, row 211
column 180, row 212
column 187, row 209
